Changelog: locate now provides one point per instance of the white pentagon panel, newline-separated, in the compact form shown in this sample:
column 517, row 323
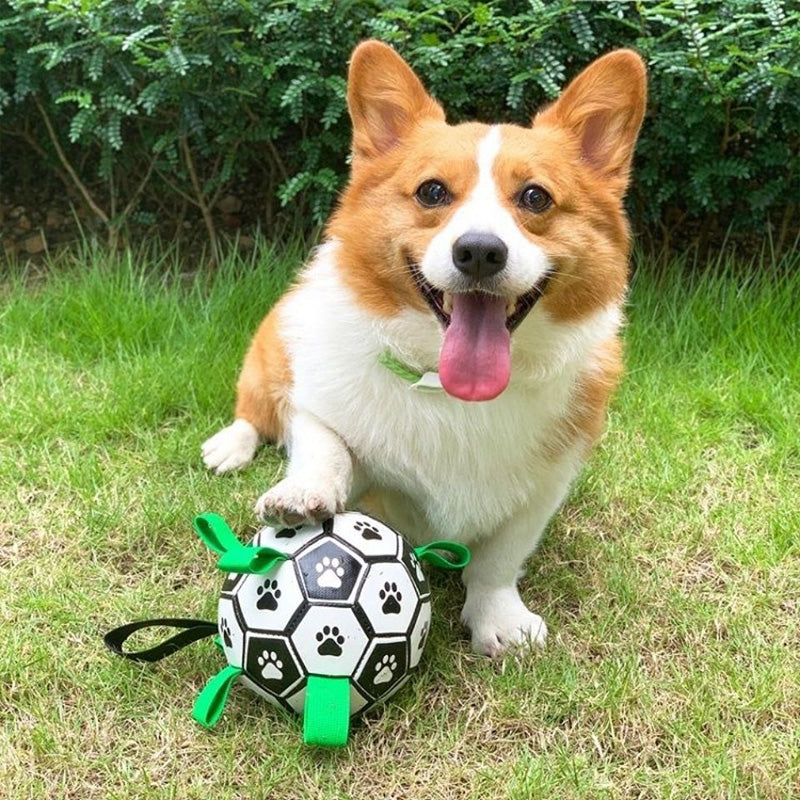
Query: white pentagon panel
column 267, row 602
column 330, row 641
column 388, row 598
column 271, row 663
column 230, row 632
column 357, row 701
column 384, row 665
column 419, row 633
column 330, row 572
column 367, row 535
column 287, row 540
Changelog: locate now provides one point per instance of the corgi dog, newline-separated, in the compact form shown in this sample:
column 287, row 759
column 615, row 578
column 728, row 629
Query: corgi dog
column 446, row 357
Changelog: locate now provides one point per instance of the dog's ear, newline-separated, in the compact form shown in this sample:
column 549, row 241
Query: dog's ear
column 603, row 108
column 386, row 99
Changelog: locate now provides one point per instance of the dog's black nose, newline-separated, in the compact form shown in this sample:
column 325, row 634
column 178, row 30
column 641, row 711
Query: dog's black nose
column 479, row 255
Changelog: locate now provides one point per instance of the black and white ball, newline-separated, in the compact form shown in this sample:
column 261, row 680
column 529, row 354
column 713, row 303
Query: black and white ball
column 352, row 600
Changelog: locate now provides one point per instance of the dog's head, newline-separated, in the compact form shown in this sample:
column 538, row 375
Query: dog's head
column 478, row 224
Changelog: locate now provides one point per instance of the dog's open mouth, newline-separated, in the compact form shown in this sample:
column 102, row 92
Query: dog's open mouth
column 475, row 359
column 441, row 303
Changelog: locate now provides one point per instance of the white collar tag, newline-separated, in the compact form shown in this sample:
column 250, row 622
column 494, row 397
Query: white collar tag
column 428, row 382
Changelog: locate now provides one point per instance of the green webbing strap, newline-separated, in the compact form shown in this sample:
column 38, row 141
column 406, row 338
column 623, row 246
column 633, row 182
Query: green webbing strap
column 393, row 364
column 211, row 701
column 233, row 555
column 326, row 718
column 428, row 553
column 426, row 382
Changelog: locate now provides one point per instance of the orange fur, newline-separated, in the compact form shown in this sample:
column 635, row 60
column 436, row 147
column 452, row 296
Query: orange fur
column 584, row 233
column 262, row 393
column 587, row 418
column 378, row 221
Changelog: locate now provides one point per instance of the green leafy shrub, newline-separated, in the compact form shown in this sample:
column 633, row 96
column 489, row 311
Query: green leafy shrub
column 146, row 108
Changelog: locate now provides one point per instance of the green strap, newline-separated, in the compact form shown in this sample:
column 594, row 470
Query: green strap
column 215, row 533
column 211, row 701
column 233, row 555
column 393, row 364
column 249, row 560
column 428, row 553
column 326, row 717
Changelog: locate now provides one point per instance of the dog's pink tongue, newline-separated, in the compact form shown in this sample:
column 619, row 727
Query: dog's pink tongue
column 475, row 362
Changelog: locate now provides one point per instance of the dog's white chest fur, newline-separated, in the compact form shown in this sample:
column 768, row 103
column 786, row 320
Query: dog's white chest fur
column 465, row 466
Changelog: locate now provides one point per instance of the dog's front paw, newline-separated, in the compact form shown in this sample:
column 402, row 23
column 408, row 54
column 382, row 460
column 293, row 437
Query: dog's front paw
column 500, row 621
column 294, row 501
column 232, row 448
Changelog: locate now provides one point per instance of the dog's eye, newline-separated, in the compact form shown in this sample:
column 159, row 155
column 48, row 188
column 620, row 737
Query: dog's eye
column 432, row 193
column 536, row 199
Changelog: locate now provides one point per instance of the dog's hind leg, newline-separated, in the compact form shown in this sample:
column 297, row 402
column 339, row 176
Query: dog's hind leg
column 262, row 403
column 494, row 611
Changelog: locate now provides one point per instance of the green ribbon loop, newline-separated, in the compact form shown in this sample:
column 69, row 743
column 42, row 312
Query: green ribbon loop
column 428, row 552
column 211, row 701
column 233, row 555
column 326, row 716
column 215, row 533
column 250, row 560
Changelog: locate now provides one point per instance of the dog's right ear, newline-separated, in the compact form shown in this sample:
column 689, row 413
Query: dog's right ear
column 386, row 99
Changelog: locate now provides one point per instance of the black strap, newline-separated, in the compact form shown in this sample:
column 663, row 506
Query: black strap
column 196, row 629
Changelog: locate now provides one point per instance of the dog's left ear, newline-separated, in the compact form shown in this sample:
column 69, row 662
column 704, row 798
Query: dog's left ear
column 603, row 110
column 386, row 99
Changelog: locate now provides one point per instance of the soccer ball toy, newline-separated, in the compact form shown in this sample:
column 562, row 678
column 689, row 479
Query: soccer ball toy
column 325, row 620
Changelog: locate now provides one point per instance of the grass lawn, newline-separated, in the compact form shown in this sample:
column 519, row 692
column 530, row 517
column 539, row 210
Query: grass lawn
column 670, row 580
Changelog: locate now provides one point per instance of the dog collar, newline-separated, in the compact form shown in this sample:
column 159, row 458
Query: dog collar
column 422, row 381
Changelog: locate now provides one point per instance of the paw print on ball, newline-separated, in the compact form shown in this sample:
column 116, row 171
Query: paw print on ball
column 368, row 531
column 287, row 533
column 330, row 641
column 391, row 597
column 388, row 598
column 271, row 666
column 269, row 602
column 369, row 537
column 268, row 596
column 412, row 562
column 329, row 571
column 225, row 632
column 420, row 631
column 415, row 563
column 385, row 669
column 270, row 663
column 423, row 635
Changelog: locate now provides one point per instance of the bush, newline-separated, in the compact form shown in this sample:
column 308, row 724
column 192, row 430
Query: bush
column 146, row 108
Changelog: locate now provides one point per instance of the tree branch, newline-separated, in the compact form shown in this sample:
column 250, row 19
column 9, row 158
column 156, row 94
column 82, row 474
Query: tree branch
column 201, row 200
column 67, row 166
column 139, row 189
